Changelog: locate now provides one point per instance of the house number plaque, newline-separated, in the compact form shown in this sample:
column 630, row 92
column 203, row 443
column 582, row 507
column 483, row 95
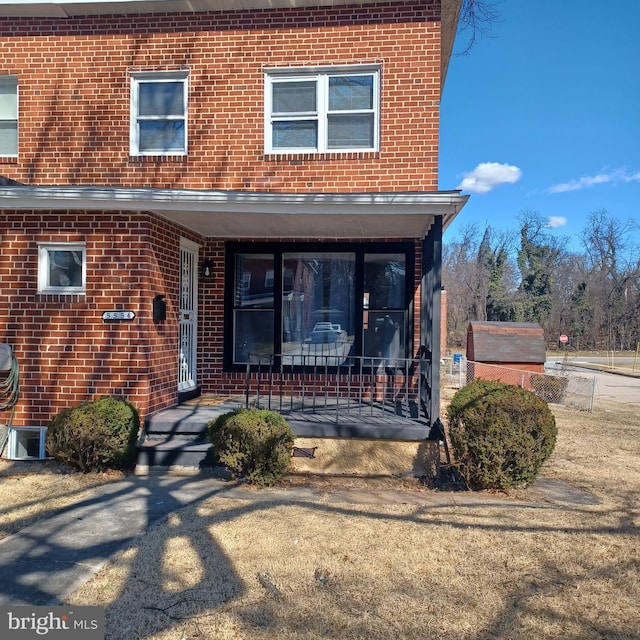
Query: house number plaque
column 118, row 315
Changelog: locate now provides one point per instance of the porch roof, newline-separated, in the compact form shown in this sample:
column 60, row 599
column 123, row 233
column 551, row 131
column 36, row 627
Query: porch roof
column 242, row 214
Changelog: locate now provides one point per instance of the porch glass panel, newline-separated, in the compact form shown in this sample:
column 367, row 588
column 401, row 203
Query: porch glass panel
column 253, row 318
column 253, row 336
column 318, row 311
column 385, row 308
column 384, row 338
column 253, row 285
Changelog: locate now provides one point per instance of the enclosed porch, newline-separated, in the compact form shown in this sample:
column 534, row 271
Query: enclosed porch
column 355, row 413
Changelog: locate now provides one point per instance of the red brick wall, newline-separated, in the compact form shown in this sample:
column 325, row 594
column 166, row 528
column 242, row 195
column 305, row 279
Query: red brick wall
column 66, row 352
column 517, row 374
column 74, row 129
column 74, row 96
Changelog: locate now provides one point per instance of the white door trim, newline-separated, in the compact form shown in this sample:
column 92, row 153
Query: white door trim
column 188, row 315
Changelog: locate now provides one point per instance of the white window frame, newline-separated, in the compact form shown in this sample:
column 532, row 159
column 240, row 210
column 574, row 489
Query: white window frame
column 138, row 78
column 10, row 81
column 44, row 256
column 18, row 441
column 321, row 75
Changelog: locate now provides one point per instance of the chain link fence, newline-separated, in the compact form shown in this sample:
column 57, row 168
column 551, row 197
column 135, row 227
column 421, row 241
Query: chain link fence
column 564, row 388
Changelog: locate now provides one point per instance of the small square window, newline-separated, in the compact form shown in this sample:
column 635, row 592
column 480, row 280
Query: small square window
column 159, row 113
column 62, row 268
column 27, row 443
column 8, row 116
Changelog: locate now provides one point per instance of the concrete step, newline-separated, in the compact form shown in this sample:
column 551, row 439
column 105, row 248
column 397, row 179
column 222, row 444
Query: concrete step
column 178, row 437
column 172, row 453
column 183, row 420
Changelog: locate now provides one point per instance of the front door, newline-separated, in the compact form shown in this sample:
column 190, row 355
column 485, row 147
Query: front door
column 188, row 322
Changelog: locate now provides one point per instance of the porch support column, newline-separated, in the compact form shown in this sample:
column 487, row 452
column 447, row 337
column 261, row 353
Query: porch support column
column 430, row 327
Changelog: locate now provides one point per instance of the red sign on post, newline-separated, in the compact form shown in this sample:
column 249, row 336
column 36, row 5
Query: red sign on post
column 564, row 339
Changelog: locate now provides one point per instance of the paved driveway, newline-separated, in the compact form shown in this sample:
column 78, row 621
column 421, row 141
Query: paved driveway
column 610, row 386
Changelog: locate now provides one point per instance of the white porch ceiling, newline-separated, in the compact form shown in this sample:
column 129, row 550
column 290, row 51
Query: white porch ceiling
column 227, row 214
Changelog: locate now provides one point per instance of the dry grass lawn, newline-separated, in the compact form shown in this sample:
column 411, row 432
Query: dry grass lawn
column 32, row 490
column 531, row 565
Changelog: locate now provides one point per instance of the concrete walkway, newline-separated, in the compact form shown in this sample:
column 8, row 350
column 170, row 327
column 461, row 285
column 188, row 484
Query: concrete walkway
column 46, row 561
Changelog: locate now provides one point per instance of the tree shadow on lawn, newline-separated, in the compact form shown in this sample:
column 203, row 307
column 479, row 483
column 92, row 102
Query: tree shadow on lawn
column 158, row 596
column 146, row 516
column 50, row 557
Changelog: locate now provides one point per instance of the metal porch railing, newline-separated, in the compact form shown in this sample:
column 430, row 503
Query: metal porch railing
column 355, row 385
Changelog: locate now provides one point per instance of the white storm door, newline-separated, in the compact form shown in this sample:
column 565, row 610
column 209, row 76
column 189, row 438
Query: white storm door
column 188, row 323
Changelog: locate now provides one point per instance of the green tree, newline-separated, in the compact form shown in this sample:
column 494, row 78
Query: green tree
column 495, row 300
column 537, row 259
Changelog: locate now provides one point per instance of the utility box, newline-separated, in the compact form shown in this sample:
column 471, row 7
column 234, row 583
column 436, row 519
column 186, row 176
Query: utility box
column 159, row 309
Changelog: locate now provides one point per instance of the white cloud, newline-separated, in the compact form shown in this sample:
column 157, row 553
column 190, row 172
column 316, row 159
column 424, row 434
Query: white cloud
column 556, row 221
column 488, row 175
column 585, row 182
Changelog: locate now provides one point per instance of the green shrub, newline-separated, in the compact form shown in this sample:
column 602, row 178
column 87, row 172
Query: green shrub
column 95, row 435
column 254, row 444
column 500, row 434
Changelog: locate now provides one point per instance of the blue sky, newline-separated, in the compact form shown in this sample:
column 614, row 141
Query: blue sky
column 543, row 114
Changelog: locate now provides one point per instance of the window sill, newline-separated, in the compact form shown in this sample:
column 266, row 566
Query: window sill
column 58, row 296
column 155, row 159
column 322, row 157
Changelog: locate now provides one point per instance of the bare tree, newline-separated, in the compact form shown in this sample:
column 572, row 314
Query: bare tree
column 479, row 276
column 593, row 296
column 613, row 279
column 460, row 279
column 477, row 17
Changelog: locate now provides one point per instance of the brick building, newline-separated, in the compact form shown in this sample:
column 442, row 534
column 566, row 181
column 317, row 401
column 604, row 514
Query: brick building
column 508, row 352
column 186, row 190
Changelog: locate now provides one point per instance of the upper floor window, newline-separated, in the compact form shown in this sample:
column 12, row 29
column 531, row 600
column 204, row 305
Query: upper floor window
column 8, row 116
column 159, row 113
column 328, row 110
column 62, row 268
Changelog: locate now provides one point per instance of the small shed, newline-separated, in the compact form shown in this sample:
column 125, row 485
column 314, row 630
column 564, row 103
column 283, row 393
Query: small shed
column 500, row 349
